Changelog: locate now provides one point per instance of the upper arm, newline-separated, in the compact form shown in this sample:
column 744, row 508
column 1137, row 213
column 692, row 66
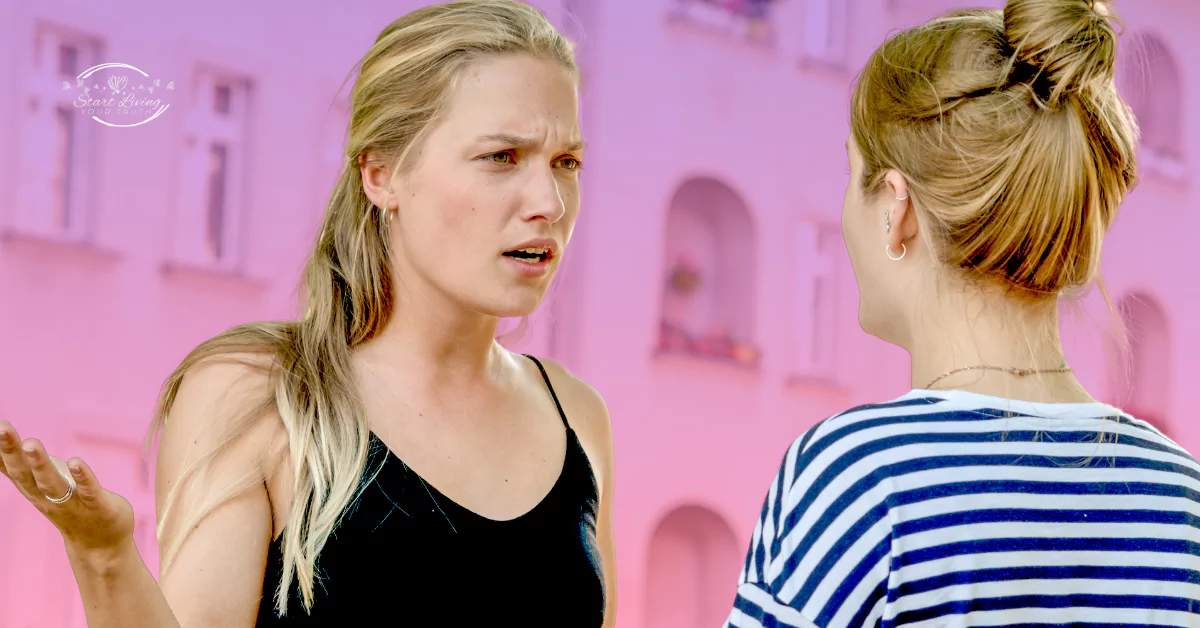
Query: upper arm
column 216, row 577
column 588, row 414
column 756, row 603
column 771, row 518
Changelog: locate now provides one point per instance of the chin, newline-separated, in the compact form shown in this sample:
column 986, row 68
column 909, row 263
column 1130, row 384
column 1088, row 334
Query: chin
column 516, row 303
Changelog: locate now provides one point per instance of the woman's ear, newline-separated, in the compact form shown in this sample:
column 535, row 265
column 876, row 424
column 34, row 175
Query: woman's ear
column 901, row 222
column 377, row 180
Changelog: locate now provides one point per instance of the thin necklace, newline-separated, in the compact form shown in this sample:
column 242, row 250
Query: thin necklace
column 1014, row 371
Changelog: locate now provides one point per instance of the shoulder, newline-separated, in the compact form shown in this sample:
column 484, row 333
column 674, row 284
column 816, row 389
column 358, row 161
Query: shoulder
column 583, row 404
column 586, row 412
column 851, row 434
column 873, row 420
column 222, row 402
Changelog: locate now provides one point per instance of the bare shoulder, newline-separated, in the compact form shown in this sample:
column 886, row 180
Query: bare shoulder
column 583, row 404
column 223, row 416
column 222, row 400
column 219, row 524
column 588, row 416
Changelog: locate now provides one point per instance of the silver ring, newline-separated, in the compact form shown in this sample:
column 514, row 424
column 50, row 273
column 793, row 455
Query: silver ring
column 902, row 198
column 903, row 252
column 64, row 498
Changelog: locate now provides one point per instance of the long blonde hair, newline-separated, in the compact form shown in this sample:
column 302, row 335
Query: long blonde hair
column 402, row 85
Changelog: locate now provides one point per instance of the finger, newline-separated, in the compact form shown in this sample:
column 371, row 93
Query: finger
column 15, row 466
column 87, row 487
column 50, row 481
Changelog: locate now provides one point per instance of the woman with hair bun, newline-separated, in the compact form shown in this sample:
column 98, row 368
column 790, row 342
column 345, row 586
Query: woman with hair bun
column 989, row 153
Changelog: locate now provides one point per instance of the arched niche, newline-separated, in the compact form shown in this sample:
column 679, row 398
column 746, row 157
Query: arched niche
column 709, row 273
column 693, row 569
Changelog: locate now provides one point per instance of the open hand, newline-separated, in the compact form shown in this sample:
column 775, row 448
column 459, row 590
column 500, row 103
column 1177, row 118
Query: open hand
column 68, row 494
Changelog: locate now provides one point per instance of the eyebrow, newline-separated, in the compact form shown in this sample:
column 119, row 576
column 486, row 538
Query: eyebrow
column 525, row 142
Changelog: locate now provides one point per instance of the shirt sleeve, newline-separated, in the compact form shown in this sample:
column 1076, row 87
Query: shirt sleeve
column 756, row 605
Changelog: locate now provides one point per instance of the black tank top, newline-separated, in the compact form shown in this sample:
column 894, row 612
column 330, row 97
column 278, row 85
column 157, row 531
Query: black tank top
column 406, row 555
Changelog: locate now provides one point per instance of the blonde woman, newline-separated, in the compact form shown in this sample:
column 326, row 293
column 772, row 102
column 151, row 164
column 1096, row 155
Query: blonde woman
column 384, row 457
column 988, row 155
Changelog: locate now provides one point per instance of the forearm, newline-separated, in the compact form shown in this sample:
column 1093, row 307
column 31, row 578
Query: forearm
column 118, row 590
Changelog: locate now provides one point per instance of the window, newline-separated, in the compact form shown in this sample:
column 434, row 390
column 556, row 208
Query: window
column 1140, row 376
column 710, row 273
column 55, row 192
column 1150, row 82
column 209, row 222
column 825, row 32
column 815, row 301
column 335, row 126
column 744, row 18
column 576, row 16
column 692, row 552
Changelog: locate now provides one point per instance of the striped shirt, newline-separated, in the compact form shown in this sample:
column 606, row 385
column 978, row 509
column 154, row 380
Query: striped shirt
column 951, row 508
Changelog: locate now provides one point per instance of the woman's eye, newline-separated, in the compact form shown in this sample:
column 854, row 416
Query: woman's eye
column 505, row 157
column 570, row 163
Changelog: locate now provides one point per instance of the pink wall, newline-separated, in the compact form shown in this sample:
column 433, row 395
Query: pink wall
column 94, row 317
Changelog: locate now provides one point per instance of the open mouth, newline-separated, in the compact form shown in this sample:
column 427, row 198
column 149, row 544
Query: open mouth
column 533, row 255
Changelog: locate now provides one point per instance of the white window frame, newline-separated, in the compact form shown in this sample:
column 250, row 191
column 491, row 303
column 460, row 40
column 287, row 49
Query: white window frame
column 1171, row 168
column 35, row 214
column 814, row 305
column 334, row 126
column 204, row 128
column 710, row 15
column 826, row 32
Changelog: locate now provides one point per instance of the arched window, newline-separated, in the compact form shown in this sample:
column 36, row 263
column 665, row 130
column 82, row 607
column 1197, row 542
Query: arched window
column 1150, row 82
column 694, row 562
column 748, row 18
column 1142, row 374
column 710, row 273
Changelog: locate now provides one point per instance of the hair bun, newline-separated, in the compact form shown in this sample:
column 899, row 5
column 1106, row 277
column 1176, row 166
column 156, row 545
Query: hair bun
column 1066, row 46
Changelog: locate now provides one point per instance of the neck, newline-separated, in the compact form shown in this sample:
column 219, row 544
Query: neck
column 435, row 341
column 992, row 330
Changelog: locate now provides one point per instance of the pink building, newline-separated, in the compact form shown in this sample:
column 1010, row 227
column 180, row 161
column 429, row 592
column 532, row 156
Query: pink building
column 707, row 294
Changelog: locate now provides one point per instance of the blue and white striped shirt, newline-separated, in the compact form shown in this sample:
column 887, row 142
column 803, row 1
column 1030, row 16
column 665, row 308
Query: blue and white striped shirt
column 950, row 508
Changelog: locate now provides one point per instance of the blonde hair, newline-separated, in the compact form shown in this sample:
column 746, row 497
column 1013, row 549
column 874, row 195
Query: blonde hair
column 1010, row 133
column 402, row 85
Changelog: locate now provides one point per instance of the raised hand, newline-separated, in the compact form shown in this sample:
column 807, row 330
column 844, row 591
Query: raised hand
column 89, row 517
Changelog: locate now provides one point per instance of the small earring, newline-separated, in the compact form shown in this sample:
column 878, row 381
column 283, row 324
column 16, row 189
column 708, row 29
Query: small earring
column 903, row 252
column 902, row 198
column 887, row 222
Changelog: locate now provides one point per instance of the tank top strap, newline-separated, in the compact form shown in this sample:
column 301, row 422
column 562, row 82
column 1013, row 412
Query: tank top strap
column 554, row 395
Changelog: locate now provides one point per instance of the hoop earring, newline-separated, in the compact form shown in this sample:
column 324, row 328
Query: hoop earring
column 903, row 251
column 902, row 198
